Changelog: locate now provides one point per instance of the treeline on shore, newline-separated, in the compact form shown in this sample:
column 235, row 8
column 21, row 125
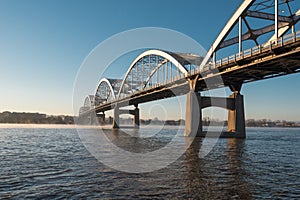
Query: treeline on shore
column 38, row 118
column 34, row 118
column 254, row 123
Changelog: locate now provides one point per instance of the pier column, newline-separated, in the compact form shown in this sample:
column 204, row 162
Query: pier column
column 193, row 118
column 116, row 120
column 236, row 118
column 92, row 119
column 136, row 117
column 101, row 118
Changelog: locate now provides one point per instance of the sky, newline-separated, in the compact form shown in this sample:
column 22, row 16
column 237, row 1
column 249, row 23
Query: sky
column 43, row 44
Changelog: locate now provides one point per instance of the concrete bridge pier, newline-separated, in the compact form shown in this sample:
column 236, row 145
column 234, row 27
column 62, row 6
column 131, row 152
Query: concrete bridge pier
column 116, row 120
column 92, row 119
column 135, row 112
column 236, row 116
column 193, row 117
column 234, row 104
column 101, row 118
column 136, row 117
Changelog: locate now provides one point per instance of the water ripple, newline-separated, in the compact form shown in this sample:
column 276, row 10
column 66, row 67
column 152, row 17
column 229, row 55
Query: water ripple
column 53, row 164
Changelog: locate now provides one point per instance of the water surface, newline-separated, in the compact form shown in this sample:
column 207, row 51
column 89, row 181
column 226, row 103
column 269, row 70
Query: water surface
column 52, row 163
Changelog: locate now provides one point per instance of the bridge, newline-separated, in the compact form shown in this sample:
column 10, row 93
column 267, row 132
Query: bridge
column 158, row 74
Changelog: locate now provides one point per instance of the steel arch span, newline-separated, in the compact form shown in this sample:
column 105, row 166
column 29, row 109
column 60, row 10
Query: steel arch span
column 150, row 68
column 106, row 91
column 156, row 67
column 88, row 104
column 278, row 17
column 89, row 101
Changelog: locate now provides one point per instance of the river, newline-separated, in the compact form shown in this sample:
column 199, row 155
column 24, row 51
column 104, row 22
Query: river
column 52, row 163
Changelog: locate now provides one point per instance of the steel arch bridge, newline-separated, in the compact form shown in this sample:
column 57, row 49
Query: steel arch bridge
column 261, row 40
column 150, row 69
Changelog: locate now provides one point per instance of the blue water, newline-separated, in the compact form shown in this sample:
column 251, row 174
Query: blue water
column 52, row 163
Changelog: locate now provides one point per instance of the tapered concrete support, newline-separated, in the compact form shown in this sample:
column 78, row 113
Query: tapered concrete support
column 193, row 118
column 116, row 120
column 92, row 118
column 137, row 117
column 101, row 118
column 236, row 118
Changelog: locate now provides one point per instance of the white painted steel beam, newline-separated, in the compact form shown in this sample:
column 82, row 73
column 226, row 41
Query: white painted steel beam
column 226, row 30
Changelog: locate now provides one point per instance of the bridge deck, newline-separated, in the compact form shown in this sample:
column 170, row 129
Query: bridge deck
column 268, row 62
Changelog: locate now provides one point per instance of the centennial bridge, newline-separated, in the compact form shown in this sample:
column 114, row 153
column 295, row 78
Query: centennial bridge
column 271, row 26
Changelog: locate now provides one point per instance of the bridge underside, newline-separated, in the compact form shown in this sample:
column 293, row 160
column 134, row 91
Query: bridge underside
column 254, row 70
column 274, row 62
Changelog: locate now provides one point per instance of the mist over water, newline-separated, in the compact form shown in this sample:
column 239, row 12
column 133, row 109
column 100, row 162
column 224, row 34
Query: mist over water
column 53, row 163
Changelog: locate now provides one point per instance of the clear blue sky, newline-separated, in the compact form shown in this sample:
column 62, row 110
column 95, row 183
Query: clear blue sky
column 44, row 42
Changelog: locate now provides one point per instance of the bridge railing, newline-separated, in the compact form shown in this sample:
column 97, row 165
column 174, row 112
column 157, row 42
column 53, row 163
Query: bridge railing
column 266, row 47
column 156, row 85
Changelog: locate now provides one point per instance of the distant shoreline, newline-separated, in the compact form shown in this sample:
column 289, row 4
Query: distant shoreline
column 74, row 126
column 60, row 120
column 19, row 125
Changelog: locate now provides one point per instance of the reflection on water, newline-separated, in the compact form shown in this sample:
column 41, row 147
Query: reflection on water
column 216, row 177
column 53, row 163
column 131, row 139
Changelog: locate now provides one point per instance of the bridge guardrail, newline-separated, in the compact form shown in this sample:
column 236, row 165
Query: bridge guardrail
column 280, row 42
